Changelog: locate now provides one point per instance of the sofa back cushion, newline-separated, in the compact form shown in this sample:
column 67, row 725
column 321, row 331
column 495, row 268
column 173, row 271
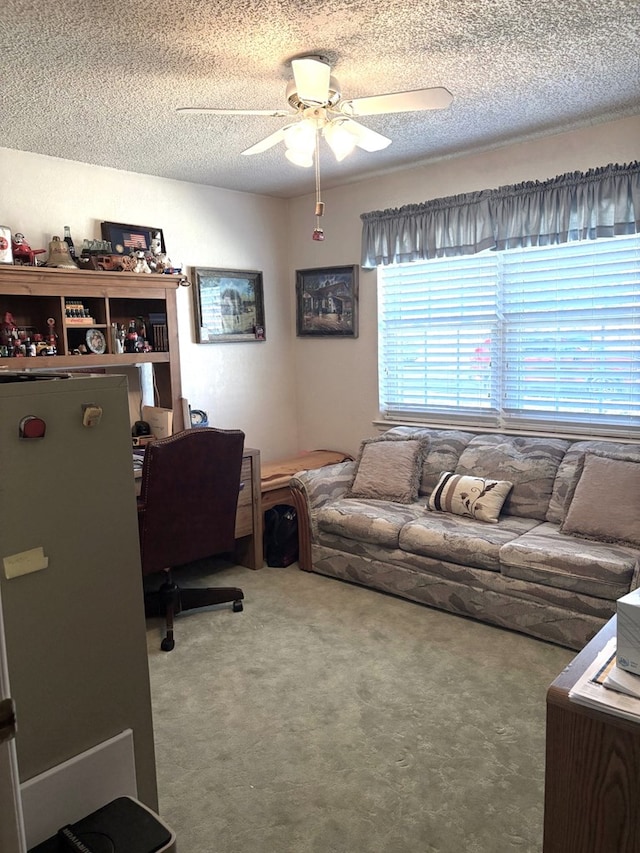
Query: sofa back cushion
column 530, row 463
column 570, row 470
column 442, row 451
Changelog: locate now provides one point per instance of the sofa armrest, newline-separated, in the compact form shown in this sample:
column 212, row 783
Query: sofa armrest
column 311, row 490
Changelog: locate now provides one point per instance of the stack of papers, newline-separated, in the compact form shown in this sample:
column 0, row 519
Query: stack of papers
column 606, row 687
column 622, row 681
column 138, row 459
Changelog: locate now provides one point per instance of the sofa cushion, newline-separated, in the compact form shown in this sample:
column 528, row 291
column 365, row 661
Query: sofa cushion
column 606, row 501
column 570, row 470
column 377, row 522
column 472, row 497
column 388, row 468
column 547, row 556
column 461, row 540
column 443, row 450
column 530, row 463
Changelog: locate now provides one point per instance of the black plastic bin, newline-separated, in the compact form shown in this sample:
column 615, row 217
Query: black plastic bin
column 124, row 825
column 281, row 535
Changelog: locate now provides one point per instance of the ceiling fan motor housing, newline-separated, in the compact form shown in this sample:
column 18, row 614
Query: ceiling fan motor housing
column 333, row 96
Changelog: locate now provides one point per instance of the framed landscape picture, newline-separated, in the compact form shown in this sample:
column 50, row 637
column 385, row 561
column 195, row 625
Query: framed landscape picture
column 229, row 305
column 327, row 302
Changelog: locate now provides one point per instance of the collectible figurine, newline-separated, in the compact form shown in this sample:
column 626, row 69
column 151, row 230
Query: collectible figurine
column 22, row 251
column 8, row 331
column 158, row 260
column 140, row 263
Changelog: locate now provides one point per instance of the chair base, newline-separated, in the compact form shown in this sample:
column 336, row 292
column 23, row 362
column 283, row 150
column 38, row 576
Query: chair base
column 171, row 599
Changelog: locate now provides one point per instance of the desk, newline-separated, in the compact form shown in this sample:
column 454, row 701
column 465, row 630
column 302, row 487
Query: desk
column 248, row 550
column 275, row 476
column 592, row 775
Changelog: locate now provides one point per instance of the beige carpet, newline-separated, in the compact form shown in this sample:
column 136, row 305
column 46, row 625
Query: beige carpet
column 328, row 717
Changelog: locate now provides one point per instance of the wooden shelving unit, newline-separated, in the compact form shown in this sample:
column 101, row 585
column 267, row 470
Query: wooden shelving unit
column 33, row 295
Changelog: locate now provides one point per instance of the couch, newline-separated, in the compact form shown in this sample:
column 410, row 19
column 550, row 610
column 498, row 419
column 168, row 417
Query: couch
column 539, row 535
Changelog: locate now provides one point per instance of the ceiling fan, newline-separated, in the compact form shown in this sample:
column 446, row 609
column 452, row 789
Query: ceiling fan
column 317, row 107
column 316, row 102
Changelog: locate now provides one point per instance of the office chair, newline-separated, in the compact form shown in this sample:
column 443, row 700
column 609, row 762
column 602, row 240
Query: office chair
column 186, row 512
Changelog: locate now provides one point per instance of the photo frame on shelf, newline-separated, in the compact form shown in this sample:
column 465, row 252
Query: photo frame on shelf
column 327, row 302
column 6, row 252
column 127, row 238
column 229, row 305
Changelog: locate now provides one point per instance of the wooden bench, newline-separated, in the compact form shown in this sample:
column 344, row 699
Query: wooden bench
column 275, row 476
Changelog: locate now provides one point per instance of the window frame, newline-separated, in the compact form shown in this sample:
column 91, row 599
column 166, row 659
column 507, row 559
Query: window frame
column 498, row 416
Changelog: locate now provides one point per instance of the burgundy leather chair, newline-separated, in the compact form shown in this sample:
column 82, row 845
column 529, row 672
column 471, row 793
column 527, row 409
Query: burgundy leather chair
column 187, row 512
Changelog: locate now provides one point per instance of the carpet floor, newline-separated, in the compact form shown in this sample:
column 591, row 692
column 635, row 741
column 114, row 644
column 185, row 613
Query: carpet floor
column 328, row 718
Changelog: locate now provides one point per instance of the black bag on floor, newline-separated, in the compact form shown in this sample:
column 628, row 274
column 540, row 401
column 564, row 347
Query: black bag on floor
column 281, row 535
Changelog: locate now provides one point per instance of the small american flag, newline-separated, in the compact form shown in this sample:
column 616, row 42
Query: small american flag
column 135, row 241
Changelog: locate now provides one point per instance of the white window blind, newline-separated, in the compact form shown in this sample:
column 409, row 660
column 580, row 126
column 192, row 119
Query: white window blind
column 538, row 338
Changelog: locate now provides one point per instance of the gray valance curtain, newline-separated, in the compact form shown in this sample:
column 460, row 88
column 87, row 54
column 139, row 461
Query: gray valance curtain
column 603, row 202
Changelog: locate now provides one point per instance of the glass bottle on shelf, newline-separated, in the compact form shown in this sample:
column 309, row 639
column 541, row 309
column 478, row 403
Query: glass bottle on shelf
column 131, row 341
column 69, row 241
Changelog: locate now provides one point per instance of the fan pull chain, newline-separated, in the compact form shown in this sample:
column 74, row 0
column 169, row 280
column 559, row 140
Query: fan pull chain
column 318, row 233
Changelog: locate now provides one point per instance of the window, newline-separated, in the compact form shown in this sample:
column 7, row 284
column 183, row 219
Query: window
column 538, row 339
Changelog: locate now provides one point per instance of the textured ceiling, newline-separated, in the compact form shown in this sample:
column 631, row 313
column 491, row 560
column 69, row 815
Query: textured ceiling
column 100, row 82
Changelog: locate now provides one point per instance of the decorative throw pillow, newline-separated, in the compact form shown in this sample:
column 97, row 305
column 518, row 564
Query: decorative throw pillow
column 606, row 502
column 388, row 469
column 473, row 497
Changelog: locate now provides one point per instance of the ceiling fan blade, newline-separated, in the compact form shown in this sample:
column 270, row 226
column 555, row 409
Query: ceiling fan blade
column 398, row 102
column 267, row 142
column 366, row 138
column 312, row 77
column 215, row 111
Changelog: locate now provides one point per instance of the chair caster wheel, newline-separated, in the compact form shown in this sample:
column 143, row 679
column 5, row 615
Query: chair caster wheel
column 237, row 606
column 167, row 644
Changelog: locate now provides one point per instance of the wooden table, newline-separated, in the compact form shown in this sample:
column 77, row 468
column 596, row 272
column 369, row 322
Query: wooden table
column 592, row 776
column 275, row 476
column 248, row 551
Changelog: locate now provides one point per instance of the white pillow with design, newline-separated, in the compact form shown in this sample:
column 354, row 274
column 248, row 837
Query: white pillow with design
column 474, row 497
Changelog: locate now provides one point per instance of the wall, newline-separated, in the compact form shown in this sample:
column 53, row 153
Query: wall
column 249, row 386
column 288, row 394
column 337, row 393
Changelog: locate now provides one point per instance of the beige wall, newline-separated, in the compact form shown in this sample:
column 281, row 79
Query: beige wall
column 288, row 394
column 337, row 394
column 241, row 385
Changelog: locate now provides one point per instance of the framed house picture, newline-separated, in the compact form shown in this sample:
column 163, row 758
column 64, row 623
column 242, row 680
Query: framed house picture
column 229, row 305
column 327, row 302
column 127, row 238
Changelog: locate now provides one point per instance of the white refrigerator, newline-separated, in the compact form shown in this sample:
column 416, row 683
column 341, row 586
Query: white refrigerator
column 70, row 579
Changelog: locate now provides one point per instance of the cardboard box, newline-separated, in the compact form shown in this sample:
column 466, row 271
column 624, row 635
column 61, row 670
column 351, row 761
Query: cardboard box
column 160, row 420
column 628, row 632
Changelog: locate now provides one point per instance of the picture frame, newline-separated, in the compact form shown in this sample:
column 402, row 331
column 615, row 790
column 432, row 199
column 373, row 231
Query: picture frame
column 229, row 305
column 327, row 302
column 126, row 238
column 6, row 251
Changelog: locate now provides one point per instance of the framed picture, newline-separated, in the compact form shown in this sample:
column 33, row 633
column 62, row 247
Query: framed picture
column 229, row 305
column 327, row 302
column 126, row 238
column 6, row 253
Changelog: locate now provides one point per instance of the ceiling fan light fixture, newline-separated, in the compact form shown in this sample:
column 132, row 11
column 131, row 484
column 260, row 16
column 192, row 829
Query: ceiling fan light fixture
column 299, row 158
column 300, row 142
column 301, row 136
column 339, row 138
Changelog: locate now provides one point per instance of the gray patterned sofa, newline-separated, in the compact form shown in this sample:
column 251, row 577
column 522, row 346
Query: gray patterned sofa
column 564, row 545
